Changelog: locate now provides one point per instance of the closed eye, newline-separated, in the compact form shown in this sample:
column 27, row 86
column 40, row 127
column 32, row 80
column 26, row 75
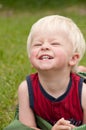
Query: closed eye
column 55, row 43
column 37, row 44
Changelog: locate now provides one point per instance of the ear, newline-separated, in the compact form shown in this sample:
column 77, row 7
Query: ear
column 74, row 59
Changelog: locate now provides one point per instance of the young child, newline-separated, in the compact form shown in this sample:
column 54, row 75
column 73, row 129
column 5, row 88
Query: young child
column 55, row 92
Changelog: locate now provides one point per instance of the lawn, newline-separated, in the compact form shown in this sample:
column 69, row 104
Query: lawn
column 14, row 63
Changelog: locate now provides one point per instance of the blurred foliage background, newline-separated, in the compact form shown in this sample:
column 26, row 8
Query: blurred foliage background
column 16, row 19
column 41, row 4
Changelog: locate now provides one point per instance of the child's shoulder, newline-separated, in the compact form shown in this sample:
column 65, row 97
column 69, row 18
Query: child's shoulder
column 22, row 87
column 84, row 98
column 84, row 87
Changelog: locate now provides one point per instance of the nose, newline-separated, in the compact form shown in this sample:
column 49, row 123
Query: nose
column 45, row 46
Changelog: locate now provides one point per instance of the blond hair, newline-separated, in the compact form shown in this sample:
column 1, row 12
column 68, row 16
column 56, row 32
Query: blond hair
column 54, row 22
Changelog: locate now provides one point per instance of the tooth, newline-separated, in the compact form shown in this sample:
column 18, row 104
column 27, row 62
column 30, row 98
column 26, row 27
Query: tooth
column 45, row 57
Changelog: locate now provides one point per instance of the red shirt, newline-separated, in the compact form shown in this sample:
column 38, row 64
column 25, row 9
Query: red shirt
column 52, row 109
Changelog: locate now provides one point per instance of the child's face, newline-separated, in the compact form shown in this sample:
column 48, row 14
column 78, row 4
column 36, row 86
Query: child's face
column 50, row 50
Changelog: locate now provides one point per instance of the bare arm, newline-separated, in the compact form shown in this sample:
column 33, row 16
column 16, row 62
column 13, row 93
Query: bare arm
column 84, row 103
column 26, row 115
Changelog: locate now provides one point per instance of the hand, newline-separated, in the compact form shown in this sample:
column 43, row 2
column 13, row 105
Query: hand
column 63, row 124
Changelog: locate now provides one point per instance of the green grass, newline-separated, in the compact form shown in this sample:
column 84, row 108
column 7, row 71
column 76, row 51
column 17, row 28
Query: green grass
column 40, row 4
column 14, row 63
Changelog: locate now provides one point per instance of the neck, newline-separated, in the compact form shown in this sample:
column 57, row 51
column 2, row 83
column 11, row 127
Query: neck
column 54, row 82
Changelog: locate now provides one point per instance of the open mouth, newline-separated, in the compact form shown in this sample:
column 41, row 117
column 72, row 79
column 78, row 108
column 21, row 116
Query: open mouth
column 45, row 57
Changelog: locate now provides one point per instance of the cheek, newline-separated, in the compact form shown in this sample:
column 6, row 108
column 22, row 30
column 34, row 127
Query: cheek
column 62, row 56
column 61, row 53
column 33, row 55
